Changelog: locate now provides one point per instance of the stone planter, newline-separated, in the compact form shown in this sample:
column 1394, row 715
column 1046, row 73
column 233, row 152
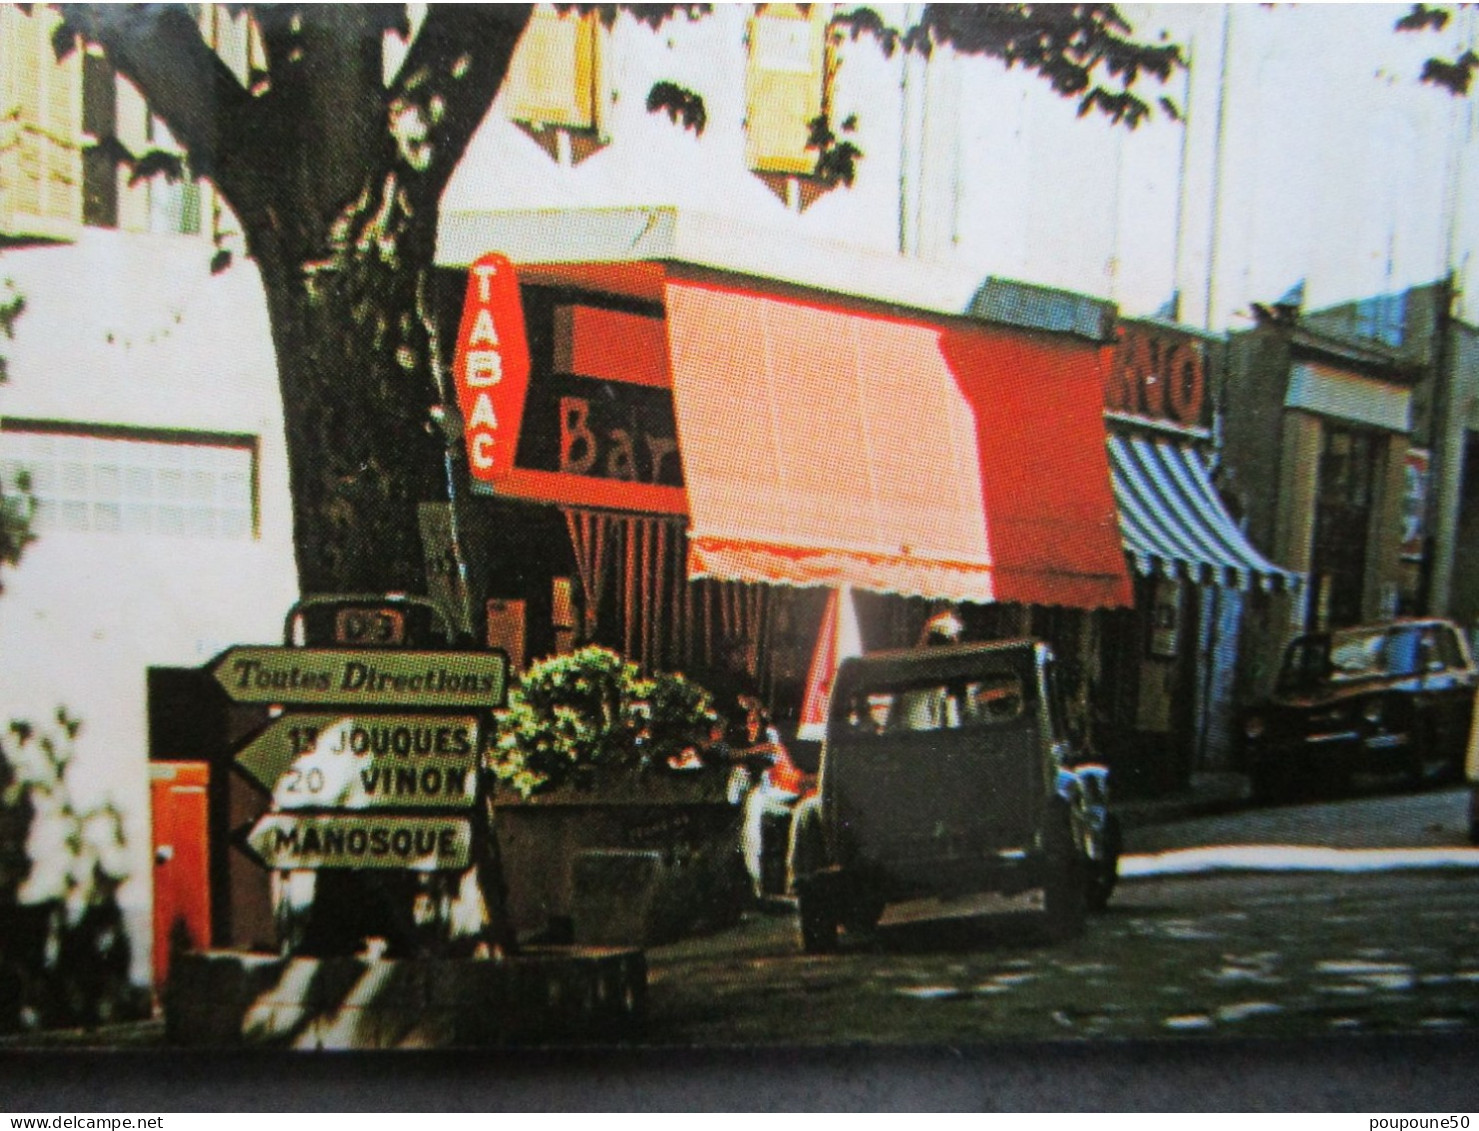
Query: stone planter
column 629, row 861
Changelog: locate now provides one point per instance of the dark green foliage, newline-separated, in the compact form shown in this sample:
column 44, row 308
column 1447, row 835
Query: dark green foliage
column 1424, row 18
column 1073, row 46
column 64, row 959
column 682, row 105
column 1070, row 45
column 837, row 158
column 17, row 504
column 1453, row 75
column 571, row 716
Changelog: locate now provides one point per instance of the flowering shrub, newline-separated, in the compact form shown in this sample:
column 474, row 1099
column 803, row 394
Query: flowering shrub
column 574, row 716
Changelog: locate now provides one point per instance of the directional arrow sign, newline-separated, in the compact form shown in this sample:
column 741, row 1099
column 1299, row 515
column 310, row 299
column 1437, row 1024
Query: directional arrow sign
column 284, row 842
column 338, row 761
column 344, row 677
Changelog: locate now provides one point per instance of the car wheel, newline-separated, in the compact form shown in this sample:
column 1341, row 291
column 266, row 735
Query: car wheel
column 818, row 922
column 1065, row 898
column 1104, row 872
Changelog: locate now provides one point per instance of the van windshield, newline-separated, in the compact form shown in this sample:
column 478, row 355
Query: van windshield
column 930, row 705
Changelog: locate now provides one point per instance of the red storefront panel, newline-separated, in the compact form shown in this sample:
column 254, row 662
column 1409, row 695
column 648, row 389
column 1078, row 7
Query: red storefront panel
column 182, row 902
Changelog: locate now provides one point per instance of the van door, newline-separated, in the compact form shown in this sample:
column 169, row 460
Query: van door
column 937, row 770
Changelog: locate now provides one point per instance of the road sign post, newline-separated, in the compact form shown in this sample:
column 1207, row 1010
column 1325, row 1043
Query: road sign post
column 375, row 762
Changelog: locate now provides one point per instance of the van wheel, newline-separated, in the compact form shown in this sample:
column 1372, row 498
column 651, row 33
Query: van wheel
column 1104, row 873
column 818, row 922
column 1065, row 896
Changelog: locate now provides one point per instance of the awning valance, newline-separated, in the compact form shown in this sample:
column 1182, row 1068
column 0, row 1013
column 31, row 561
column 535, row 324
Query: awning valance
column 827, row 445
column 1173, row 521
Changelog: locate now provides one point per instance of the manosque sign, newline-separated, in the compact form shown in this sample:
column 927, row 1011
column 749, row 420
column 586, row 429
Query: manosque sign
column 491, row 366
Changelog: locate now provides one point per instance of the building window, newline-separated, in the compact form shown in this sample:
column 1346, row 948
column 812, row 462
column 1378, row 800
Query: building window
column 1345, row 495
column 554, row 78
column 40, row 124
column 110, row 481
column 785, row 87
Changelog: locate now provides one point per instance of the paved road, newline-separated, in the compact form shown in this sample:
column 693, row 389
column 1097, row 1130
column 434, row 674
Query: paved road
column 1235, row 953
column 1240, row 953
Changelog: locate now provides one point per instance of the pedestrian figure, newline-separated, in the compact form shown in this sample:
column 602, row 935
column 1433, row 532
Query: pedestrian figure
column 766, row 782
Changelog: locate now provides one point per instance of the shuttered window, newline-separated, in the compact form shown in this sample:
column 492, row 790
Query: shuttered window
column 40, row 128
column 554, row 78
column 785, row 86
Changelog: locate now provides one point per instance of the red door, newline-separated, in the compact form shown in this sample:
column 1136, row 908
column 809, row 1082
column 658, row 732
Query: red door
column 182, row 902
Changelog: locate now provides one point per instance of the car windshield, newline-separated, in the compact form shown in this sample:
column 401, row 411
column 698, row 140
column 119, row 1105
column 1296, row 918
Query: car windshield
column 977, row 701
column 1358, row 653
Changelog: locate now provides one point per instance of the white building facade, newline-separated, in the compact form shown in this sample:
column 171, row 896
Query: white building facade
column 1305, row 158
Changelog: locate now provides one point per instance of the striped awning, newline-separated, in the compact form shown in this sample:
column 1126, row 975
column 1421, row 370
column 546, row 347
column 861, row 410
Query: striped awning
column 1172, row 521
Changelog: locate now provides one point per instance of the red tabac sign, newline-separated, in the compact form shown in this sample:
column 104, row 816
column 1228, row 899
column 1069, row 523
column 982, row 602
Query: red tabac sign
column 491, row 366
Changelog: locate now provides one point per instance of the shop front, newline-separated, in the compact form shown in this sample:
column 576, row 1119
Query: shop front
column 701, row 456
column 1169, row 664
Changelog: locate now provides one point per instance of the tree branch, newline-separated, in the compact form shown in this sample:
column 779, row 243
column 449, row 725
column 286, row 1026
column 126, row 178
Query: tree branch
column 452, row 73
column 159, row 47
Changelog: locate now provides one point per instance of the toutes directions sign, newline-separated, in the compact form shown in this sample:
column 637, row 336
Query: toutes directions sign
column 358, row 677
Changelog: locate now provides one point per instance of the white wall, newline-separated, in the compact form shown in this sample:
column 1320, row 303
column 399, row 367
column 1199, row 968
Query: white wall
column 1309, row 151
column 134, row 330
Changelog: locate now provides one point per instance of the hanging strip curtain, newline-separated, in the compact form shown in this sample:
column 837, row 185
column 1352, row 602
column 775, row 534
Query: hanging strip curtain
column 640, row 560
column 590, row 537
column 732, row 627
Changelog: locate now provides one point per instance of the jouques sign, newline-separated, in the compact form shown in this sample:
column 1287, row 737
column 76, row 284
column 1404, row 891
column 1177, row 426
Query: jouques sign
column 365, row 761
column 491, row 366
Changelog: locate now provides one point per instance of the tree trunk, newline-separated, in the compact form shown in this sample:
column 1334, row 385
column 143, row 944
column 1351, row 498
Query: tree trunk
column 354, row 350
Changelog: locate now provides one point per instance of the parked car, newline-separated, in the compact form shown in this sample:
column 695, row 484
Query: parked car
column 1392, row 698
column 950, row 771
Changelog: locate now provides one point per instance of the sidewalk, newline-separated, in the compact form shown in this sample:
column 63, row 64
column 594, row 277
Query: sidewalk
column 1206, row 793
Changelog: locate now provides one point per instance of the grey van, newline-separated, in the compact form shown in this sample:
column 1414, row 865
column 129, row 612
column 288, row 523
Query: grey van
column 949, row 771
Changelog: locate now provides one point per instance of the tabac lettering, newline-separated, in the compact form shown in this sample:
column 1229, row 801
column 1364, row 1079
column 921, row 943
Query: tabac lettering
column 491, row 366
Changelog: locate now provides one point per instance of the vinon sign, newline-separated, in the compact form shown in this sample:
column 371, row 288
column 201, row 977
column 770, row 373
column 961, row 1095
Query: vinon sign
column 367, row 761
column 491, row 367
